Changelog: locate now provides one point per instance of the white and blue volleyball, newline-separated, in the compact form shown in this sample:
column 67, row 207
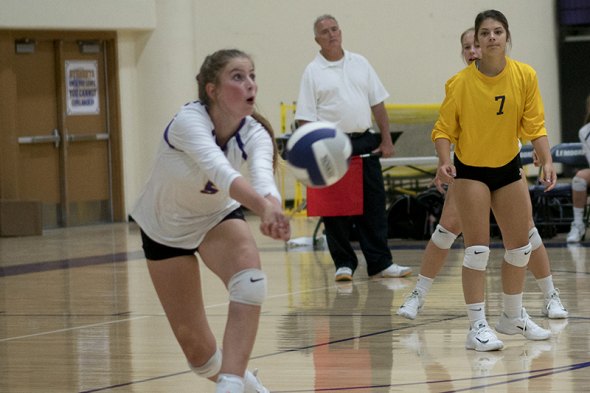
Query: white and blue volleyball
column 318, row 154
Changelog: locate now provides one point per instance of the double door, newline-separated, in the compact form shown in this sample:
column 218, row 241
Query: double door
column 59, row 125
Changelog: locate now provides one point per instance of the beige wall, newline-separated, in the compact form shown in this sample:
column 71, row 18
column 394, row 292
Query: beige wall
column 412, row 44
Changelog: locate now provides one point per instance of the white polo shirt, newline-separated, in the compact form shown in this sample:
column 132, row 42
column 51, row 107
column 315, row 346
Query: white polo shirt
column 340, row 92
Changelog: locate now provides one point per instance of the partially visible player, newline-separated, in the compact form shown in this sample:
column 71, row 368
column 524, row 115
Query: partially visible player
column 191, row 203
column 580, row 184
column 449, row 228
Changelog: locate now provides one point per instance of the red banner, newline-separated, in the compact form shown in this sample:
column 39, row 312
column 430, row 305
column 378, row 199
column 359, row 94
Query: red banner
column 343, row 198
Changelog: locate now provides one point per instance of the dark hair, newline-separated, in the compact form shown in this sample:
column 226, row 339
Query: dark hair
column 495, row 15
column 209, row 73
column 587, row 118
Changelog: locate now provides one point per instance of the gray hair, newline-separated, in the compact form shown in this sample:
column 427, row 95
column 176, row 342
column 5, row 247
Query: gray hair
column 319, row 19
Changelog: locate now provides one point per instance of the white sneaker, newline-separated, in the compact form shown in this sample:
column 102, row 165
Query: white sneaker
column 343, row 274
column 553, row 307
column 252, row 383
column 482, row 338
column 412, row 305
column 394, row 270
column 229, row 383
column 522, row 325
column 577, row 233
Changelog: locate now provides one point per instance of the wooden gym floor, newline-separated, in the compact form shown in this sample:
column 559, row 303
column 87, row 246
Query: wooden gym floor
column 78, row 313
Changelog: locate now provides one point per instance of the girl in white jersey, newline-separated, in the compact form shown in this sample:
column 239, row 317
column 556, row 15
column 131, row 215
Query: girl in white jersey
column 490, row 106
column 449, row 227
column 191, row 203
column 580, row 184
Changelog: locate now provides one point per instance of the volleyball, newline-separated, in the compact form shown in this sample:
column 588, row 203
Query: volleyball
column 318, row 154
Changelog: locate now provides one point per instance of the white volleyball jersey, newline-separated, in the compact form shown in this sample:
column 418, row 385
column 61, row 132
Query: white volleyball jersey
column 187, row 192
column 584, row 135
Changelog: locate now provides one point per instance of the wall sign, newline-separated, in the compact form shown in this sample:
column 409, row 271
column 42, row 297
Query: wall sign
column 82, row 87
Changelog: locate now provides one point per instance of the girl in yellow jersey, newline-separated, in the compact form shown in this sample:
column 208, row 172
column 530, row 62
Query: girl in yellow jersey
column 449, row 227
column 490, row 106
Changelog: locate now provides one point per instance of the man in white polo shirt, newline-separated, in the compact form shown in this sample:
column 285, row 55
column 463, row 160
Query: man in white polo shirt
column 342, row 88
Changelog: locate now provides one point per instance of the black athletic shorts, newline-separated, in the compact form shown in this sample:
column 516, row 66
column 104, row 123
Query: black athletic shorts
column 494, row 178
column 156, row 251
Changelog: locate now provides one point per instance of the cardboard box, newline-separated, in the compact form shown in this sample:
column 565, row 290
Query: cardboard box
column 21, row 218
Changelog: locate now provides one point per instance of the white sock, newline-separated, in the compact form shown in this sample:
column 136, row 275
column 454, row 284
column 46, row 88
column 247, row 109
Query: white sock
column 578, row 215
column 476, row 312
column 546, row 285
column 512, row 305
column 424, row 284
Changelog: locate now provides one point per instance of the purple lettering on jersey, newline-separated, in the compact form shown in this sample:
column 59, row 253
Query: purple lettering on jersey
column 210, row 188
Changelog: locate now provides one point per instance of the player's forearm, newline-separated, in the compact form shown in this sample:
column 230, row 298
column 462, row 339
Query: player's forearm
column 246, row 195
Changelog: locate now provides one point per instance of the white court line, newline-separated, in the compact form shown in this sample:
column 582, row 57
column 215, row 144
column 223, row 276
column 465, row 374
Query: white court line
column 133, row 319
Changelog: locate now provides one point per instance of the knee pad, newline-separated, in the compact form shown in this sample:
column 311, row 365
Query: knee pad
column 535, row 238
column 248, row 287
column 518, row 257
column 443, row 238
column 209, row 369
column 476, row 257
column 579, row 184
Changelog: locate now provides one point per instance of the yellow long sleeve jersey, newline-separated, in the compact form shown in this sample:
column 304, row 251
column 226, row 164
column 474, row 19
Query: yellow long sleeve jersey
column 486, row 116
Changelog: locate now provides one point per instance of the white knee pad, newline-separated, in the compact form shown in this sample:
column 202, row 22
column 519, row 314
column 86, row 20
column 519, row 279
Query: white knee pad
column 248, row 287
column 579, row 184
column 535, row 238
column 476, row 257
column 209, row 369
column 519, row 257
column 443, row 238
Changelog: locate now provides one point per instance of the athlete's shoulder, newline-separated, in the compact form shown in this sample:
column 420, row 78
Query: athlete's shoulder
column 192, row 116
column 252, row 127
column 460, row 78
column 193, row 106
column 522, row 68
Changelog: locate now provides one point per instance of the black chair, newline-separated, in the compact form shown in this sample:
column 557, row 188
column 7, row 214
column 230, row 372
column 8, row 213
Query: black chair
column 552, row 210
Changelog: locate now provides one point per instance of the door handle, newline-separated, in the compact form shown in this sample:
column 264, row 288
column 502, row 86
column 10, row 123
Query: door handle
column 52, row 138
column 88, row 137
